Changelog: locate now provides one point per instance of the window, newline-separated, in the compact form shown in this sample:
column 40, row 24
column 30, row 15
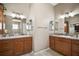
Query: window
column 28, row 27
column 14, row 26
column 3, row 25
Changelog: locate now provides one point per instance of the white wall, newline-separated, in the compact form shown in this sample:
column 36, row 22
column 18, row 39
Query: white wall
column 23, row 8
column 41, row 14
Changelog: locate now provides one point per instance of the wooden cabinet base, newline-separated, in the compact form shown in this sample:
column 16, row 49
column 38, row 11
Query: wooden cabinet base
column 61, row 45
column 64, row 46
column 13, row 47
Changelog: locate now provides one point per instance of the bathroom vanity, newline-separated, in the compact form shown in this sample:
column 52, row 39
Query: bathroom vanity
column 65, row 45
column 15, row 45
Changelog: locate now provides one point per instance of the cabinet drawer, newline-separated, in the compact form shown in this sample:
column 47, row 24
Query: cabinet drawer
column 6, row 53
column 75, row 42
column 64, row 40
column 6, row 43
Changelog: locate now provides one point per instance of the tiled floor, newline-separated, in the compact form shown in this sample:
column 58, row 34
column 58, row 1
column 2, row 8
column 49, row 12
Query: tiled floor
column 46, row 52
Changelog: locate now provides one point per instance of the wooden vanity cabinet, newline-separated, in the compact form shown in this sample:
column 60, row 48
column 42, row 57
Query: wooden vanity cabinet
column 75, row 47
column 15, row 46
column 52, row 42
column 63, row 45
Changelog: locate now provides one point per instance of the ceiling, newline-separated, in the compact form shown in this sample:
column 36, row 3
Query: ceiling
column 18, row 7
column 21, row 7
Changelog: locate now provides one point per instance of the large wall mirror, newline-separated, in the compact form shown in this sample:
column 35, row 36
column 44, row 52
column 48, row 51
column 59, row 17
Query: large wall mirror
column 72, row 24
column 17, row 26
column 14, row 23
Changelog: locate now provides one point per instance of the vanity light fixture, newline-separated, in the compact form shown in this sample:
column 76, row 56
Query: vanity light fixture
column 71, row 14
column 17, row 16
column 62, row 16
column 15, row 20
column 67, row 15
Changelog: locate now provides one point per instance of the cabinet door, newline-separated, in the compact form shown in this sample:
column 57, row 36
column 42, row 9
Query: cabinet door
column 18, row 46
column 6, row 47
column 58, row 45
column 28, row 44
column 75, row 47
column 51, row 42
column 67, row 47
column 63, row 46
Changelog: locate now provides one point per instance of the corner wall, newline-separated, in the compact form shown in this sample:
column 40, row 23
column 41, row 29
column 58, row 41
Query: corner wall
column 41, row 14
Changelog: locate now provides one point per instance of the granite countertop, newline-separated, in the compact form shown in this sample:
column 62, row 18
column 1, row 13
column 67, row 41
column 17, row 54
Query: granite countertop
column 18, row 36
column 65, row 36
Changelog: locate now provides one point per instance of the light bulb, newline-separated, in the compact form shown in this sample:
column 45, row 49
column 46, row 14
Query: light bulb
column 62, row 16
column 13, row 15
column 71, row 14
column 22, row 17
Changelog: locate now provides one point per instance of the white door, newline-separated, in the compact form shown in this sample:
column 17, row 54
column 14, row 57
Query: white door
column 41, row 36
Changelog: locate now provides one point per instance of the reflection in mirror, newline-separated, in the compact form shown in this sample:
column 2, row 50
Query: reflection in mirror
column 29, row 27
column 66, row 26
column 51, row 26
column 56, row 26
column 17, row 26
column 72, row 21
